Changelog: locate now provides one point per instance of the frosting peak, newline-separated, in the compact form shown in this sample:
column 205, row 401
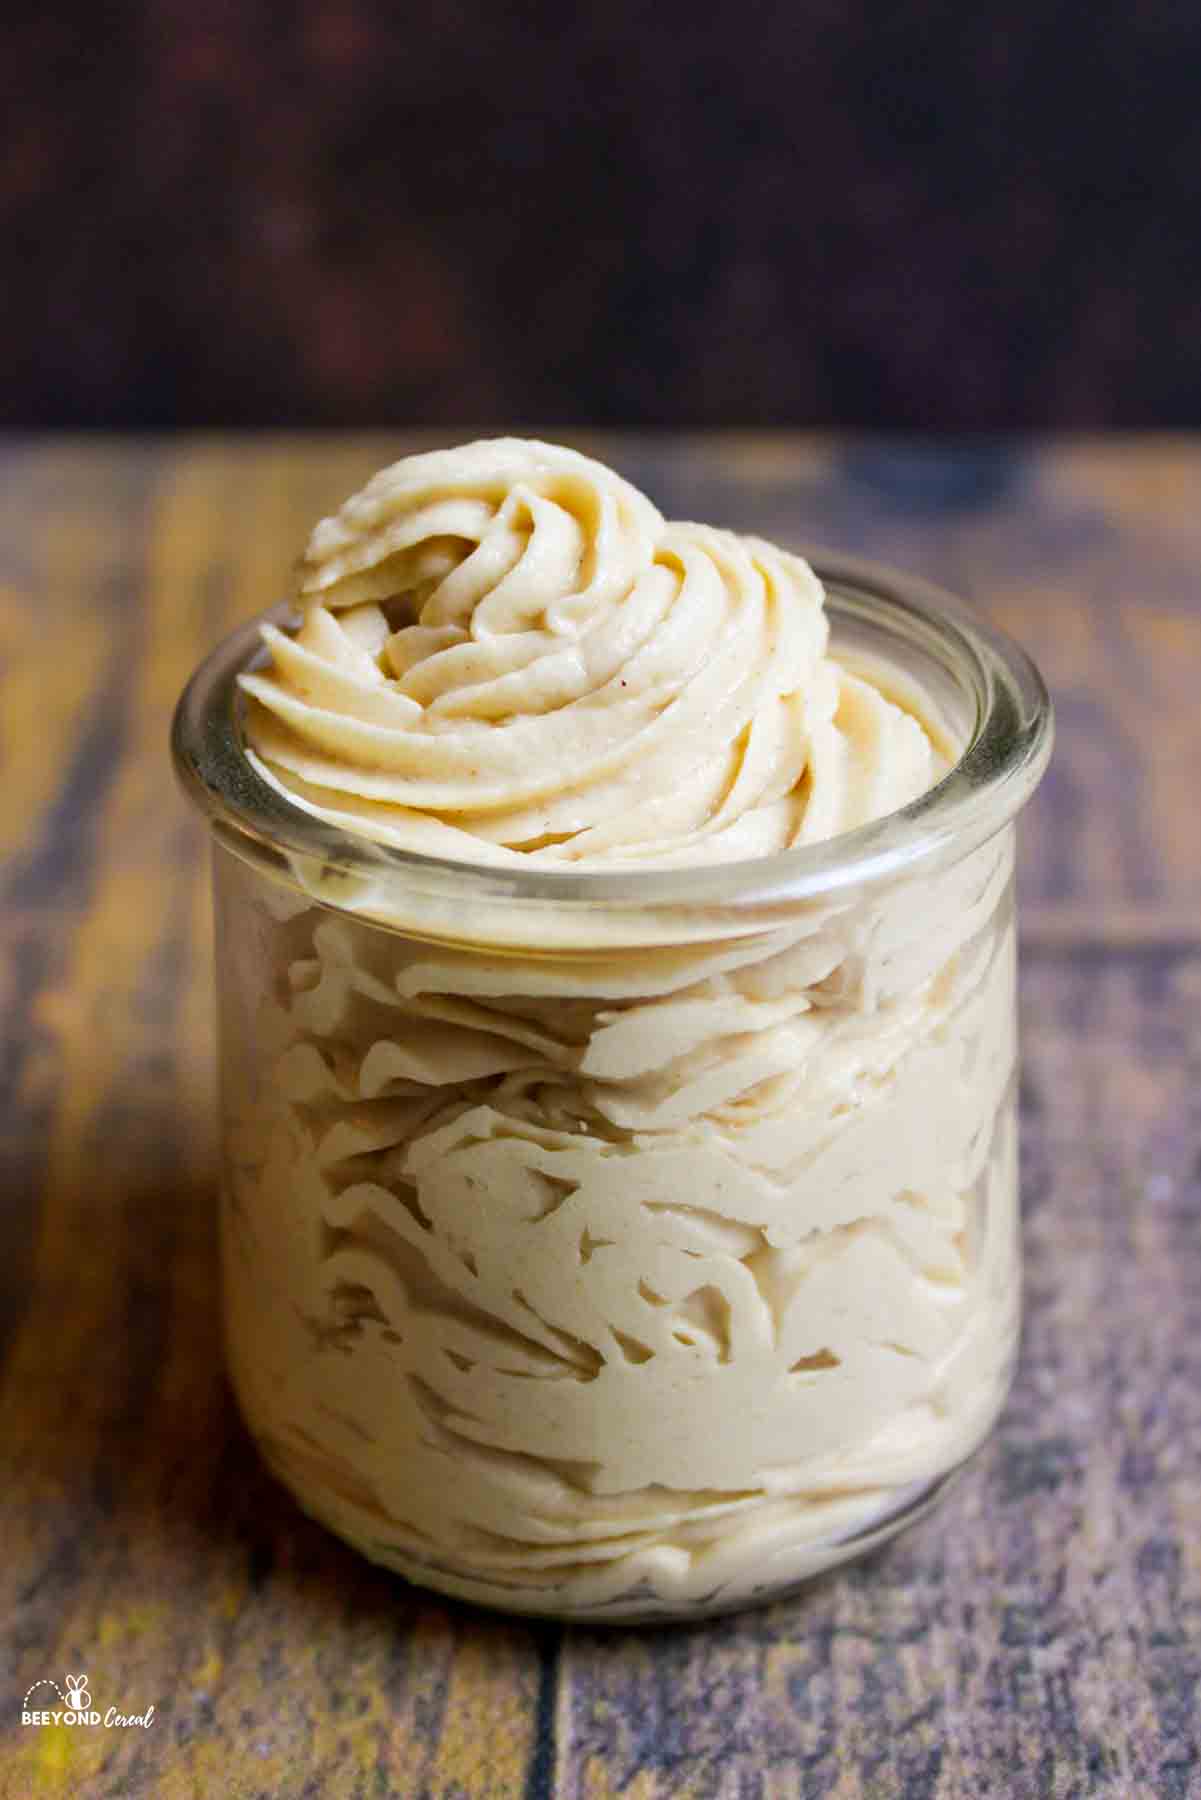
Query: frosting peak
column 507, row 653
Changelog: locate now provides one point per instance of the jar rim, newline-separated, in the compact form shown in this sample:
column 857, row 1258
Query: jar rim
column 1002, row 762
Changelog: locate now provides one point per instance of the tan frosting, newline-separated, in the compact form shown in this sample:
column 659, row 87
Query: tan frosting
column 613, row 1284
column 507, row 653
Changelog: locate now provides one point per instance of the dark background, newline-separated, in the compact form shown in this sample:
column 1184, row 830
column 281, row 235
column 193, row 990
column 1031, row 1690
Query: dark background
column 921, row 214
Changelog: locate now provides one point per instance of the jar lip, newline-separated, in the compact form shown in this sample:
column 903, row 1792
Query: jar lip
column 1002, row 763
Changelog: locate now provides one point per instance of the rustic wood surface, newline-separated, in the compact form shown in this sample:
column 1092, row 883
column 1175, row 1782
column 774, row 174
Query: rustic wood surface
column 1039, row 1636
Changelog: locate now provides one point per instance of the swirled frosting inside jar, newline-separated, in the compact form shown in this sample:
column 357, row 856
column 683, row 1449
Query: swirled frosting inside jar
column 614, row 1276
column 507, row 652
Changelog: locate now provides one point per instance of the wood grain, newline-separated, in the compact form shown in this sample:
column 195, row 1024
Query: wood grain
column 1041, row 1635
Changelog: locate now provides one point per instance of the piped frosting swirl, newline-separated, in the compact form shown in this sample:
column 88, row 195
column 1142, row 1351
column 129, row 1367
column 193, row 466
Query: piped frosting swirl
column 507, row 653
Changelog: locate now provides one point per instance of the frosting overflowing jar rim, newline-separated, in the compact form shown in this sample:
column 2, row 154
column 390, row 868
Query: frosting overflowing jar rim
column 1005, row 718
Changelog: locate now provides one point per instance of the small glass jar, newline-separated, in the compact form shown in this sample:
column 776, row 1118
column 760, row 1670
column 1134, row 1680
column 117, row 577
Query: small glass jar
column 627, row 1246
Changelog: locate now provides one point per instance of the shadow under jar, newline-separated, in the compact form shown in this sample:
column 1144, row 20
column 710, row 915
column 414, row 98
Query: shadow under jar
column 634, row 1245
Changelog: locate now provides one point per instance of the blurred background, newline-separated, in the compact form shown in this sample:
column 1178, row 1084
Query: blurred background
column 920, row 214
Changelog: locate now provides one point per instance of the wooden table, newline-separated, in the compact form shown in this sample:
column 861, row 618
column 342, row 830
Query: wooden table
column 1040, row 1635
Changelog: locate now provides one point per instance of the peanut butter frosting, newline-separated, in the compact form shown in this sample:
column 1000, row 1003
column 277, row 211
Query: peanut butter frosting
column 623, row 1282
column 508, row 653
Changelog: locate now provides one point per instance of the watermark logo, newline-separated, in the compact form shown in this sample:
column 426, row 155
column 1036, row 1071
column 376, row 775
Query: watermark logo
column 76, row 1707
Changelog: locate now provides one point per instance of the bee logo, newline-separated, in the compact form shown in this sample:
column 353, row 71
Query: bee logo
column 76, row 1707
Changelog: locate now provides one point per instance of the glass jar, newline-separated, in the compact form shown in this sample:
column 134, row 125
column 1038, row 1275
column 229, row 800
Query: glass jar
column 627, row 1246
